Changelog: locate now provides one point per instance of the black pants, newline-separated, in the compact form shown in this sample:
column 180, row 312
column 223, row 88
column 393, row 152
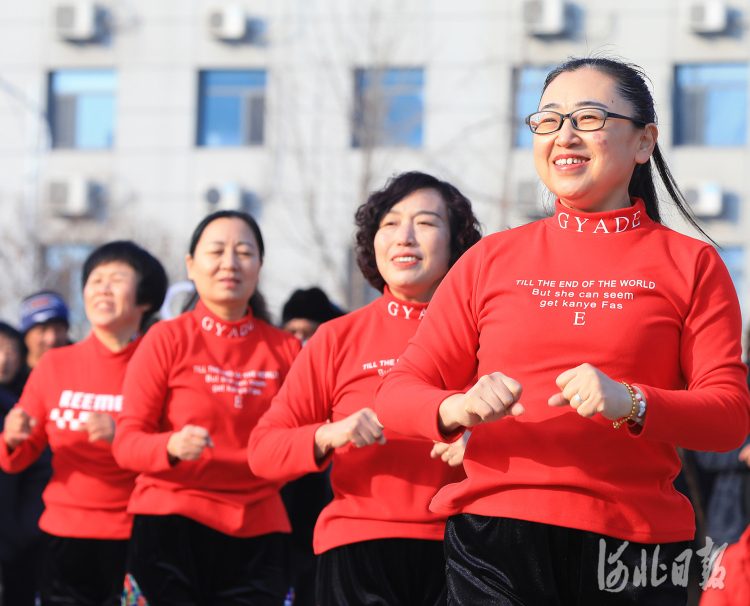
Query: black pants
column 383, row 572
column 179, row 562
column 81, row 572
column 304, row 499
column 506, row 562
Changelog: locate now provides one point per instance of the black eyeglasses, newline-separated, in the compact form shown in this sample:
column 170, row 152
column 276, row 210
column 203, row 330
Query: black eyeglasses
column 585, row 119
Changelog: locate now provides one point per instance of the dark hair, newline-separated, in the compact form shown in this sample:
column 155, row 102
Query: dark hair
column 152, row 279
column 8, row 331
column 464, row 227
column 631, row 84
column 311, row 304
column 257, row 303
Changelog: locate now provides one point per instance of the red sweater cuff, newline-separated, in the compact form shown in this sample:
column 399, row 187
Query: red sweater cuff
column 692, row 419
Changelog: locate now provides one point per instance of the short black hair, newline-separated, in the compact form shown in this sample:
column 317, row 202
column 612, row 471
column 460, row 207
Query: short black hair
column 152, row 279
column 464, row 227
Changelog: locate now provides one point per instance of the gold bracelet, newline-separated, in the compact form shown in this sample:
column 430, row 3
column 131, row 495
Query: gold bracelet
column 633, row 411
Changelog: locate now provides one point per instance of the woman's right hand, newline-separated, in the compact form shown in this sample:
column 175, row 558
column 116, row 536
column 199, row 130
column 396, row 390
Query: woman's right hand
column 188, row 443
column 493, row 397
column 18, row 428
column 361, row 429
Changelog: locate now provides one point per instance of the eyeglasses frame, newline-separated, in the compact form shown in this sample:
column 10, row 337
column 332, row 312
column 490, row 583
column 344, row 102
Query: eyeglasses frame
column 607, row 114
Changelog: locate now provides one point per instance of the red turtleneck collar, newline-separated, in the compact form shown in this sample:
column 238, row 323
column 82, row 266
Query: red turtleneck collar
column 599, row 224
column 213, row 324
column 398, row 308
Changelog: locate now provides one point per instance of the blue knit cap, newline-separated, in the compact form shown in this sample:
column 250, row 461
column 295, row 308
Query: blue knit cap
column 41, row 308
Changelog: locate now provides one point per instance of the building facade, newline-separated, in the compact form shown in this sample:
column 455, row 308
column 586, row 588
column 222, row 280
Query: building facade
column 135, row 118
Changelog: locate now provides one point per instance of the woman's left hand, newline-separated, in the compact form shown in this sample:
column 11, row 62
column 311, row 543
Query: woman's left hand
column 453, row 454
column 597, row 392
column 100, row 426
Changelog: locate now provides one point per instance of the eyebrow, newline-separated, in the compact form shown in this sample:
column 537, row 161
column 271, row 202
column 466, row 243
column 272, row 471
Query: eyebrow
column 579, row 104
column 222, row 243
column 419, row 212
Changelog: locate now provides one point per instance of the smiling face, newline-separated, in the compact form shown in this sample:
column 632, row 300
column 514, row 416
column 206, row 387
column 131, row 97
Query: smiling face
column 225, row 267
column 109, row 297
column 412, row 245
column 590, row 171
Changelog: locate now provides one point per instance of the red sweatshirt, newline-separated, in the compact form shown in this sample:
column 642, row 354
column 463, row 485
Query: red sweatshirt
column 88, row 493
column 380, row 491
column 729, row 581
column 640, row 302
column 200, row 370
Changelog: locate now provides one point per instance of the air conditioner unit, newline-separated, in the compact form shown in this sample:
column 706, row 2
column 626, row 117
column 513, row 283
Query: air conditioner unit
column 229, row 196
column 73, row 196
column 709, row 17
column 544, row 17
column 706, row 199
column 227, row 22
column 77, row 20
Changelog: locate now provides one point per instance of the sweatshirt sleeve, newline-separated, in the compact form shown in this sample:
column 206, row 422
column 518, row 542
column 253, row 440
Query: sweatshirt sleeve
column 281, row 447
column 139, row 443
column 32, row 403
column 714, row 412
column 440, row 360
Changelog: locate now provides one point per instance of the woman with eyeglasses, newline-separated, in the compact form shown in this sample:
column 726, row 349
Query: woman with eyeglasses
column 602, row 340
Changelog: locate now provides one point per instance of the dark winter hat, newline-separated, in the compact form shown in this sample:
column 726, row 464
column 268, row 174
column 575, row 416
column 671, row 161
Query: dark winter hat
column 40, row 308
column 311, row 304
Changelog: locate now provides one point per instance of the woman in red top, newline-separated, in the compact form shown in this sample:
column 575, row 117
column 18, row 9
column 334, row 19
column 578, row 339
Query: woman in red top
column 71, row 402
column 379, row 542
column 206, row 529
column 625, row 339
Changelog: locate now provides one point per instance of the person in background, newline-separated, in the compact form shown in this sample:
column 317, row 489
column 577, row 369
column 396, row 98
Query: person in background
column 44, row 325
column 206, row 529
column 305, row 311
column 21, row 506
column 12, row 360
column 305, row 497
column 378, row 542
column 71, row 401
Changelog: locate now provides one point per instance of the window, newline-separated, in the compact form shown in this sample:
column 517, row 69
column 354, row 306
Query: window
column 711, row 104
column 82, row 108
column 232, row 108
column 64, row 271
column 529, row 83
column 388, row 107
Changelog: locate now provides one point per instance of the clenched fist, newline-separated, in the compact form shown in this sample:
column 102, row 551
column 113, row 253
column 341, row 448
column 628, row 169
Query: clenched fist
column 188, row 443
column 493, row 397
column 361, row 429
column 99, row 426
column 453, row 454
column 18, row 428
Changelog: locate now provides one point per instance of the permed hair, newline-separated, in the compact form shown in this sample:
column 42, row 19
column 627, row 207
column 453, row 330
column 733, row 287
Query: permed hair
column 152, row 279
column 464, row 227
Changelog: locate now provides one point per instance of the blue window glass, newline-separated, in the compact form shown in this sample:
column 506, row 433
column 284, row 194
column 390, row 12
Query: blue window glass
column 389, row 107
column 711, row 104
column 82, row 108
column 529, row 83
column 231, row 108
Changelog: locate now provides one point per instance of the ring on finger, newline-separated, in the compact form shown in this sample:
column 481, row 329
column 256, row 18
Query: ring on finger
column 578, row 398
